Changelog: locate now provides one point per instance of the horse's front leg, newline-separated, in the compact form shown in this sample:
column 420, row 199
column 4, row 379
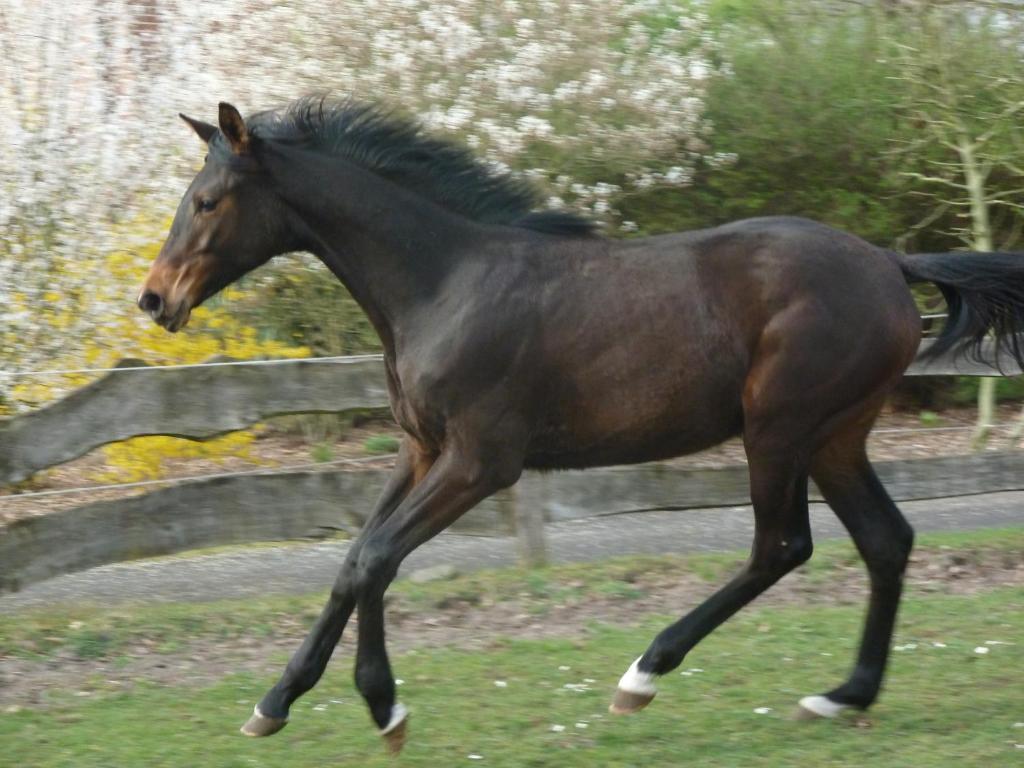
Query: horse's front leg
column 455, row 483
column 308, row 663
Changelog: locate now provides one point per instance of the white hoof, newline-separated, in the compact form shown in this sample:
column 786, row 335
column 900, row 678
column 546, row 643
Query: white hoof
column 820, row 706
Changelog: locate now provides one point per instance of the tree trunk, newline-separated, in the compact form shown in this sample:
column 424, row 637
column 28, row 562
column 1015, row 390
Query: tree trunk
column 981, row 240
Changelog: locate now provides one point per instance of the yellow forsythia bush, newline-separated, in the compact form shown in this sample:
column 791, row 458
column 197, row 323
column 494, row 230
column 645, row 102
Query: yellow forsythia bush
column 123, row 332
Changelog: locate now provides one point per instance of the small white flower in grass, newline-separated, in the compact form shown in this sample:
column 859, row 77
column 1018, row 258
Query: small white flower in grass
column 938, row 645
column 695, row 670
column 319, row 707
column 582, row 725
column 1018, row 725
column 475, row 757
column 589, row 680
column 686, row 674
column 996, row 642
column 762, row 710
column 981, row 649
column 564, row 668
column 500, row 684
column 399, row 681
column 557, row 728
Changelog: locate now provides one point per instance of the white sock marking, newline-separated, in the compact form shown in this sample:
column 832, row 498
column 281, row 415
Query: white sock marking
column 822, row 706
column 398, row 715
column 256, row 711
column 635, row 681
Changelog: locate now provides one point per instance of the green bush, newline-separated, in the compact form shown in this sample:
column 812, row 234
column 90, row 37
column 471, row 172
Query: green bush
column 380, row 444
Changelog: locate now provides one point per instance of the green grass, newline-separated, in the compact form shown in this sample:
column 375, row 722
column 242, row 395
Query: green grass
column 93, row 631
column 380, row 444
column 944, row 706
column 322, row 452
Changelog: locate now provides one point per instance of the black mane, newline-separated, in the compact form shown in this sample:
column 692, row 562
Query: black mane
column 398, row 149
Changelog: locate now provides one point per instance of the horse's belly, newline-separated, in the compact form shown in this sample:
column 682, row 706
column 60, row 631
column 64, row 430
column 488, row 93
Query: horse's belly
column 623, row 430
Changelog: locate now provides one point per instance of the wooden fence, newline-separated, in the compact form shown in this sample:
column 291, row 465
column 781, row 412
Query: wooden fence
column 201, row 402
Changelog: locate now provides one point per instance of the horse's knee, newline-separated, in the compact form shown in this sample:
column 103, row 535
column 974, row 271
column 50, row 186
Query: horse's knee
column 904, row 538
column 774, row 560
column 889, row 553
column 795, row 552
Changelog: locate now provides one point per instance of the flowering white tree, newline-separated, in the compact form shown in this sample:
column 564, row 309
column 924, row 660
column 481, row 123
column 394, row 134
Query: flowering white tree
column 584, row 97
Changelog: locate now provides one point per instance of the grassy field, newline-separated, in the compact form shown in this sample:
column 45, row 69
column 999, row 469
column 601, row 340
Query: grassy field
column 523, row 702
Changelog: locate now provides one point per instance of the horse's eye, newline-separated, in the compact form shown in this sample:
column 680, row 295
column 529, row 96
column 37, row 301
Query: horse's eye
column 206, row 204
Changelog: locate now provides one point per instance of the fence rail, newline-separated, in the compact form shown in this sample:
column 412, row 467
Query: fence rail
column 299, row 505
column 139, row 400
column 142, row 400
column 195, row 403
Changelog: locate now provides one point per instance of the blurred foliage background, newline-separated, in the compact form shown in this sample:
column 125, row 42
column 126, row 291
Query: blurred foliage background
column 649, row 115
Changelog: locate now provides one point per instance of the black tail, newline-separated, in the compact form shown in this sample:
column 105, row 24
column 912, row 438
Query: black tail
column 984, row 294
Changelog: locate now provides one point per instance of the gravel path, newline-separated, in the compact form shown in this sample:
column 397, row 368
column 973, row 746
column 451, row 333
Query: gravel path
column 301, row 568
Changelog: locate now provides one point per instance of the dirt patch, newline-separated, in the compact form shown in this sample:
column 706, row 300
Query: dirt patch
column 477, row 621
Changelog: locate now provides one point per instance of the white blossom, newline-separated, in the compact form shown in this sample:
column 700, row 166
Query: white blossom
column 93, row 157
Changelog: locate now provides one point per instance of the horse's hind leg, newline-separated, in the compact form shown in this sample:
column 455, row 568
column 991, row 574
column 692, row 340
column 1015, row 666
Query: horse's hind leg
column 782, row 541
column 884, row 539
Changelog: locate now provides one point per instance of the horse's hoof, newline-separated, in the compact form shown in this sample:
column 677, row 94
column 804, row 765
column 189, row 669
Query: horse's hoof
column 394, row 733
column 636, row 690
column 628, row 702
column 818, row 707
column 261, row 725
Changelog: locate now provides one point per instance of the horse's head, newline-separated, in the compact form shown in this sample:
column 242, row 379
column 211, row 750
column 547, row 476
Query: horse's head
column 228, row 223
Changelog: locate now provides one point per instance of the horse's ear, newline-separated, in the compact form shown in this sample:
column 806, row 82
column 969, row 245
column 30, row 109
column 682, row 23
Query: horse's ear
column 205, row 131
column 233, row 127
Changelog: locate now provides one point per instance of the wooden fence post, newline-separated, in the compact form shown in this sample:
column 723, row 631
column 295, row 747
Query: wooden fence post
column 528, row 521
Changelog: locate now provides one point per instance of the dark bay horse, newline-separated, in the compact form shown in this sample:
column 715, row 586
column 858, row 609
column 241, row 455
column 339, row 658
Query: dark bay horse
column 517, row 340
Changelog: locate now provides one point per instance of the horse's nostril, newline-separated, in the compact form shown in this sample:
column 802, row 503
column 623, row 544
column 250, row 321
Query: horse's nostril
column 151, row 303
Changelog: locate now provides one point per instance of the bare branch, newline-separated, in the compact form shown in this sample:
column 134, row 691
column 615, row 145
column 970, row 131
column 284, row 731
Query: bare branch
column 1008, row 112
column 933, row 179
column 934, row 215
column 995, row 196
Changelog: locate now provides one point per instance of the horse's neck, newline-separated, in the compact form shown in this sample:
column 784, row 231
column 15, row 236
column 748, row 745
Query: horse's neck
column 391, row 248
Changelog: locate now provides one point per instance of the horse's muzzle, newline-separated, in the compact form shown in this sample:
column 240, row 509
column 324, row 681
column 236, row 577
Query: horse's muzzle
column 153, row 304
